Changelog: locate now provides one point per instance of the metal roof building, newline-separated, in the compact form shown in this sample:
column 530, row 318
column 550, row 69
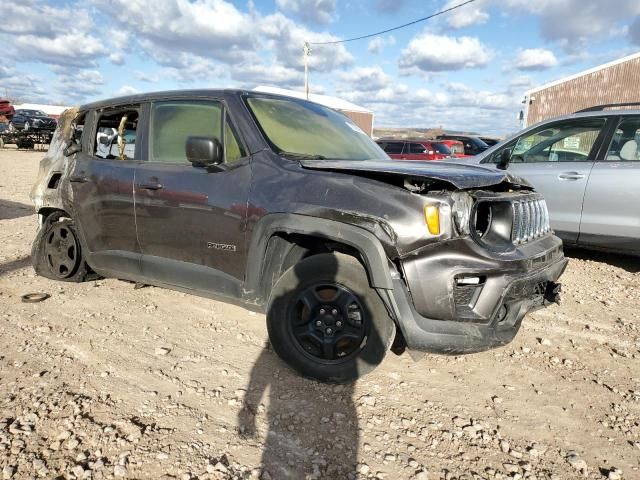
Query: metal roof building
column 613, row 82
column 360, row 115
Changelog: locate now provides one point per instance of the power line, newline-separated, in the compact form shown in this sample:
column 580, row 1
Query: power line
column 441, row 12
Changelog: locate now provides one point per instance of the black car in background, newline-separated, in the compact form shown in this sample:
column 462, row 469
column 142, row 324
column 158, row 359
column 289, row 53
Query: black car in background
column 490, row 141
column 472, row 145
column 36, row 120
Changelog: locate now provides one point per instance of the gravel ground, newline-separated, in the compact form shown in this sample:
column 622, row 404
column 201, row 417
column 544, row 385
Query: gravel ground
column 102, row 381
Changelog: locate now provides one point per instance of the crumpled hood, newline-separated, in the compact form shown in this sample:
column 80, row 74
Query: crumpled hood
column 458, row 175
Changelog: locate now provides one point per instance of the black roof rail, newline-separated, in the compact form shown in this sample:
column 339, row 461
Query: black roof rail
column 599, row 108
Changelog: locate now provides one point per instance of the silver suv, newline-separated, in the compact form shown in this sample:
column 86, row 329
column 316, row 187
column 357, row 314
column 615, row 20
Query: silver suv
column 587, row 166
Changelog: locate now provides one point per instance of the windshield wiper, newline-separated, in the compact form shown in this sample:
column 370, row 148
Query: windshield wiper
column 301, row 156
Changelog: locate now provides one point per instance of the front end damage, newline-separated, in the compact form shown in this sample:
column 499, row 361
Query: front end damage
column 470, row 291
column 472, row 252
column 52, row 190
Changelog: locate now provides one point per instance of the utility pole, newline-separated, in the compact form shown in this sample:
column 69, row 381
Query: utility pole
column 306, row 52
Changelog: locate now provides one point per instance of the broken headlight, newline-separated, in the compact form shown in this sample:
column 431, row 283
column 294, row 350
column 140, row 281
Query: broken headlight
column 462, row 205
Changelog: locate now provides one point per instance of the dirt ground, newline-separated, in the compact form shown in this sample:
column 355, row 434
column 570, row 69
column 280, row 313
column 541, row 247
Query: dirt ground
column 102, row 380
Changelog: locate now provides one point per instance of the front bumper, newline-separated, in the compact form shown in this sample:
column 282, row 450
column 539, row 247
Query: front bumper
column 435, row 318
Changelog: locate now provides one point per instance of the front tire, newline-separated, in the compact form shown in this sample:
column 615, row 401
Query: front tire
column 56, row 251
column 326, row 322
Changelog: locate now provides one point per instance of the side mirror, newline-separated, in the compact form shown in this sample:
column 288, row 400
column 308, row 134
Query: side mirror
column 505, row 158
column 71, row 149
column 104, row 140
column 204, row 151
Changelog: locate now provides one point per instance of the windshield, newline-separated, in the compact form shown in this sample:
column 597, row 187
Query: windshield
column 479, row 143
column 442, row 148
column 305, row 129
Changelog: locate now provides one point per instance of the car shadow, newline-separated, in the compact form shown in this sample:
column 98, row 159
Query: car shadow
column 629, row 263
column 312, row 427
column 16, row 264
column 10, row 210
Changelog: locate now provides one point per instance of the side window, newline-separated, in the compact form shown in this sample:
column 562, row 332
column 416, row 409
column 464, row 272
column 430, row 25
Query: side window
column 566, row 141
column 172, row 122
column 417, row 148
column 624, row 145
column 116, row 133
column 394, row 148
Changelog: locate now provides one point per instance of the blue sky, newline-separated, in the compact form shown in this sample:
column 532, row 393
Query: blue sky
column 465, row 70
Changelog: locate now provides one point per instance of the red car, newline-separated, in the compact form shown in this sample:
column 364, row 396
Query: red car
column 456, row 147
column 414, row 149
column 6, row 109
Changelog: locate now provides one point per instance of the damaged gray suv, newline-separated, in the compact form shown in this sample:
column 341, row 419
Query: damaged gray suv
column 288, row 208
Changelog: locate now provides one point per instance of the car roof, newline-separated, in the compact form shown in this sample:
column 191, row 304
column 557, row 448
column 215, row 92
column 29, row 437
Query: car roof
column 177, row 94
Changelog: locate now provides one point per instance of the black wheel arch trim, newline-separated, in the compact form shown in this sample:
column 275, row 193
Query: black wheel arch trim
column 258, row 285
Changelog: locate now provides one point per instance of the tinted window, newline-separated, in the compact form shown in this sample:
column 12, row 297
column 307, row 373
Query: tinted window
column 441, row 148
column 172, row 122
column 417, row 148
column 567, row 141
column 393, row 147
column 624, row 145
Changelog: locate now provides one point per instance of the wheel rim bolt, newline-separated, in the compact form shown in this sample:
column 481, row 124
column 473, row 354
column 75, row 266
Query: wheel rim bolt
column 322, row 311
column 329, row 331
column 318, row 323
column 338, row 323
column 334, row 312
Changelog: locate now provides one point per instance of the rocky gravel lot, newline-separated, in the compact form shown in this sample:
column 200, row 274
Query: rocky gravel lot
column 102, row 380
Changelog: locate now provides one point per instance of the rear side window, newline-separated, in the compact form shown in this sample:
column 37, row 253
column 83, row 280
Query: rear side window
column 172, row 122
column 566, row 141
column 393, row 147
column 417, row 148
column 624, row 146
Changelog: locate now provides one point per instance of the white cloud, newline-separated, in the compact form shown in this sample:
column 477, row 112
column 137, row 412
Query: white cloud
column 366, row 79
column 377, row 44
column 468, row 15
column 37, row 18
column 535, row 59
column 438, row 53
column 209, row 28
column 284, row 37
column 125, row 90
column 73, row 48
column 313, row 11
column 117, row 58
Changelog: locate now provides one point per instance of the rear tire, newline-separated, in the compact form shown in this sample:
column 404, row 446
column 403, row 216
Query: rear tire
column 326, row 322
column 56, row 251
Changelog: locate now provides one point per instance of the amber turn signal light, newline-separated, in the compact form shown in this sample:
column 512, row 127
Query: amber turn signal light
column 432, row 219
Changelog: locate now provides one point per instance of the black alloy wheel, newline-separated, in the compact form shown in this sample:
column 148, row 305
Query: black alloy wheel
column 328, row 322
column 61, row 251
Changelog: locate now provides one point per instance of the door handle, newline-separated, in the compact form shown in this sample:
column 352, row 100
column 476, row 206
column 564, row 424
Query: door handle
column 78, row 179
column 151, row 186
column 571, row 176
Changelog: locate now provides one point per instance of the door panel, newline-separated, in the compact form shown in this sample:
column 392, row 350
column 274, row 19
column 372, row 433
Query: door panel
column 191, row 220
column 611, row 212
column 563, row 186
column 104, row 207
column 557, row 159
column 195, row 216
